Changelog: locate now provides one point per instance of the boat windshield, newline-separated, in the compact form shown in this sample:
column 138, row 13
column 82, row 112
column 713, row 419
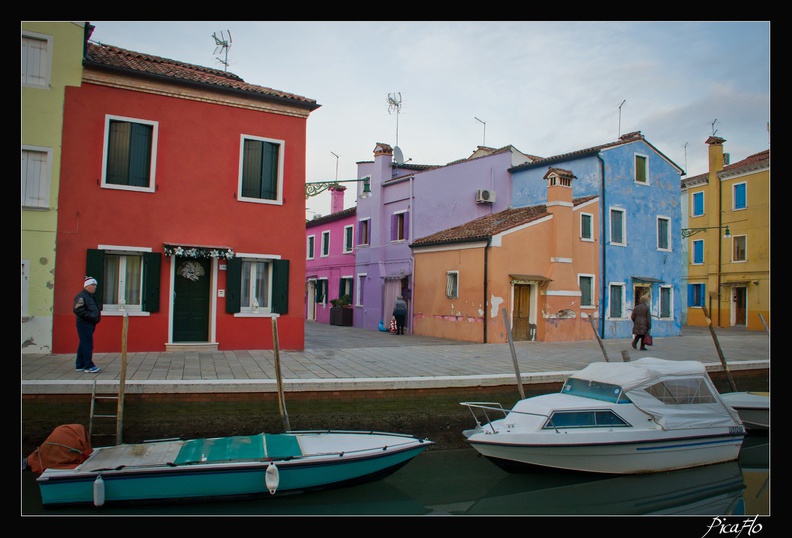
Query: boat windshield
column 595, row 390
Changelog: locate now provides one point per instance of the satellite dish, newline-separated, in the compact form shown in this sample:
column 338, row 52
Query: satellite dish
column 397, row 155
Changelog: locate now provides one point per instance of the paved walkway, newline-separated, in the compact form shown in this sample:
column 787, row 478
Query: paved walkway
column 346, row 358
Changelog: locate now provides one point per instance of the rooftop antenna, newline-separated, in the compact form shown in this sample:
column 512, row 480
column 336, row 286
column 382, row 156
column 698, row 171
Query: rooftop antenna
column 484, row 139
column 714, row 130
column 395, row 103
column 620, row 107
column 336, row 156
column 685, row 146
column 222, row 46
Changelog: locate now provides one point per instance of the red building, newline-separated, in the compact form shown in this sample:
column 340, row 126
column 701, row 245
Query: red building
column 183, row 193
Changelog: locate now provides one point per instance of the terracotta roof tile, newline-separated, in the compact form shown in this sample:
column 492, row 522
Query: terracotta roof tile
column 108, row 56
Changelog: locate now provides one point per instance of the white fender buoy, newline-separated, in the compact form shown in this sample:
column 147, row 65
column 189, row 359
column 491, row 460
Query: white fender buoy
column 272, row 478
column 98, row 491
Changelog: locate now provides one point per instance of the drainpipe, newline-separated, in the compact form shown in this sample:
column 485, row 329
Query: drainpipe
column 412, row 257
column 603, row 278
column 486, row 290
column 720, row 246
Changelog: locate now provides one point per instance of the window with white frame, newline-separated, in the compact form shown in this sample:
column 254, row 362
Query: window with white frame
column 696, row 294
column 261, row 169
column 698, row 251
column 616, row 301
column 697, row 206
column 325, row 244
column 359, row 297
column 122, row 285
column 452, row 284
column 666, row 302
column 739, row 196
column 349, row 235
column 25, row 286
column 617, row 227
column 36, row 176
column 36, row 56
column 364, row 232
column 310, row 247
column 399, row 226
column 345, row 286
column 587, row 226
column 256, row 286
column 663, row 233
column 320, row 294
column 130, row 154
column 641, row 169
column 739, row 248
column 586, row 284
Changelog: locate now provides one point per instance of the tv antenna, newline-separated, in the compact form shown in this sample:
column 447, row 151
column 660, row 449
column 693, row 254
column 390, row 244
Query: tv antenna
column 685, row 147
column 222, row 46
column 620, row 106
column 714, row 130
column 395, row 103
column 484, row 123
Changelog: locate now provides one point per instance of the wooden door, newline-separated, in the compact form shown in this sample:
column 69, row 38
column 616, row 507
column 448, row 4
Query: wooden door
column 191, row 300
column 522, row 312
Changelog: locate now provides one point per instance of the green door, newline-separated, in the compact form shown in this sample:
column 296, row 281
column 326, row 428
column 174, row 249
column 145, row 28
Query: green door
column 191, row 300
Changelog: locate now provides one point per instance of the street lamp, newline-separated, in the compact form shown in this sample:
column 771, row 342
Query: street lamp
column 687, row 232
column 317, row 187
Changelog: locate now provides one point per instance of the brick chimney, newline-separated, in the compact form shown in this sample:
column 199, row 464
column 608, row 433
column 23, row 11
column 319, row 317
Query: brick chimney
column 337, row 198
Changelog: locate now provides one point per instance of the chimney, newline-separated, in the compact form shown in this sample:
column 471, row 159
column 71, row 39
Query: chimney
column 337, row 198
column 716, row 155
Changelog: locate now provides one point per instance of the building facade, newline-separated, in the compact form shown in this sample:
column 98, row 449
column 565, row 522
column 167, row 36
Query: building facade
column 182, row 192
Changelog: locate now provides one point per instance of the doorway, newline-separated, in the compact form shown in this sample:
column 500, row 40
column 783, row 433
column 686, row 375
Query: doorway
column 522, row 328
column 191, row 285
column 739, row 300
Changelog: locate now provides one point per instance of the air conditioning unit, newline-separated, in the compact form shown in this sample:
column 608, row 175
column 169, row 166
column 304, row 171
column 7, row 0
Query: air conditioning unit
column 484, row 196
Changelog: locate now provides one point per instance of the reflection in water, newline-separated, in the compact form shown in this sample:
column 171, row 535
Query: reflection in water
column 460, row 482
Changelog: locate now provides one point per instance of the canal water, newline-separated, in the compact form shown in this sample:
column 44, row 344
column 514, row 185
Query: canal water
column 461, row 483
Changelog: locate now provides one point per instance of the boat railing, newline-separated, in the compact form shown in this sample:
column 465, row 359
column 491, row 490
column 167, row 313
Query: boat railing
column 483, row 407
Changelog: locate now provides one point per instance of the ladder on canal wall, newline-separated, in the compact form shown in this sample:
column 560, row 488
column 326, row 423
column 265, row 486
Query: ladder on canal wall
column 99, row 401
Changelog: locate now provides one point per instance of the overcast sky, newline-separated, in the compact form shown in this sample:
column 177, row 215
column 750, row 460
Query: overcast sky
column 544, row 87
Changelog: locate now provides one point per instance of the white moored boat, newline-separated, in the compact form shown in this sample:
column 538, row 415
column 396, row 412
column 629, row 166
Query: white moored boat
column 645, row 416
column 753, row 408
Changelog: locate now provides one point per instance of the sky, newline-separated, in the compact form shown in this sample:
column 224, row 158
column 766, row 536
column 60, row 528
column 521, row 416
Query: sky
column 440, row 89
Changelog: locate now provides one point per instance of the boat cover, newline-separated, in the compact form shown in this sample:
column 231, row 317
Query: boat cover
column 66, row 447
column 637, row 376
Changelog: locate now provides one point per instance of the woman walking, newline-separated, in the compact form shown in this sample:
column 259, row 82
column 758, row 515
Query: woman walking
column 642, row 322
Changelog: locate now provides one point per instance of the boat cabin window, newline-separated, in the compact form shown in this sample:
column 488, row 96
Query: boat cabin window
column 583, row 419
column 682, row 391
column 596, row 390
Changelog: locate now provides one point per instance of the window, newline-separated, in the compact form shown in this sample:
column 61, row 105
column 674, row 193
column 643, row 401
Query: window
column 698, row 204
column 25, row 286
column 738, row 248
column 399, row 223
column 698, row 252
column 739, row 200
column 617, row 227
column 616, row 308
column 348, row 238
column 583, row 419
column 361, row 280
column 310, row 247
column 36, row 60
column 325, row 243
column 696, row 294
column 452, row 284
column 666, row 304
column 129, row 154
column 641, row 169
column 345, row 286
column 684, row 391
column 320, row 295
column 364, row 232
column 129, row 278
column 257, row 285
column 586, row 283
column 261, row 169
column 663, row 233
column 586, row 226
column 35, row 170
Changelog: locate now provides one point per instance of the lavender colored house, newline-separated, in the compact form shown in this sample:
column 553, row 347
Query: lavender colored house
column 412, row 201
column 330, row 258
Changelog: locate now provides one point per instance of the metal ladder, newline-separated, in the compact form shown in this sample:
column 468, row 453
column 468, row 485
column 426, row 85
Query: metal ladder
column 96, row 403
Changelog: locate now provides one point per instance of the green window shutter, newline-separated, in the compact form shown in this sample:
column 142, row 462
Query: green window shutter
column 251, row 169
column 152, row 261
column 140, row 155
column 233, row 285
column 280, row 286
column 94, row 266
column 269, row 179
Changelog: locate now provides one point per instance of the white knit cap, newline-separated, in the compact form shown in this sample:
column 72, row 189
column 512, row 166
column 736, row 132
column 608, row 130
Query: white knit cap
column 90, row 281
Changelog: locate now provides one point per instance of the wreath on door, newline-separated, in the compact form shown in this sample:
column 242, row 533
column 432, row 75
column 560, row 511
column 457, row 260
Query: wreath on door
column 191, row 270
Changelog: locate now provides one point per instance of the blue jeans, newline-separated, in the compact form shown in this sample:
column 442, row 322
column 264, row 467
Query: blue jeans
column 85, row 350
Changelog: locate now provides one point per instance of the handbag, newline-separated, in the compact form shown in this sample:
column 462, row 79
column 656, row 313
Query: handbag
column 647, row 340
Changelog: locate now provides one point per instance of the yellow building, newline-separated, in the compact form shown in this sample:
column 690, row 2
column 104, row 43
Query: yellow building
column 51, row 54
column 728, row 241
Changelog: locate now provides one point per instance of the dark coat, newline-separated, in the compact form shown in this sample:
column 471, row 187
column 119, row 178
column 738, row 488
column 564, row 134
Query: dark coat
column 86, row 309
column 642, row 320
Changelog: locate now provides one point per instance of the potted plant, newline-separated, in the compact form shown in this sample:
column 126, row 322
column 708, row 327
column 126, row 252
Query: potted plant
column 341, row 311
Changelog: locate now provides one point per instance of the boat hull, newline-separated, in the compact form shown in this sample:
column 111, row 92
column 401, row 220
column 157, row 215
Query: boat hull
column 667, row 454
column 753, row 408
column 373, row 457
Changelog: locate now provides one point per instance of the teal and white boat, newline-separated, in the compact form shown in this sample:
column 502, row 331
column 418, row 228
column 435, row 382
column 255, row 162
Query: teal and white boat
column 210, row 468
